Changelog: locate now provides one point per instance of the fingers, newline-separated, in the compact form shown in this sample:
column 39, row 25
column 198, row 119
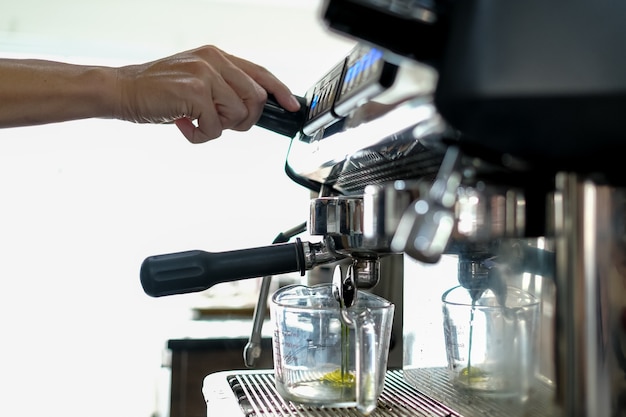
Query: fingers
column 237, row 97
column 268, row 82
column 214, row 103
column 287, row 100
column 203, row 91
column 223, row 109
column 194, row 134
column 240, row 103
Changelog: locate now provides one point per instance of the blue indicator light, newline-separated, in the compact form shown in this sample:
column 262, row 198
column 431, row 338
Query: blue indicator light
column 315, row 100
column 358, row 67
column 369, row 60
column 349, row 75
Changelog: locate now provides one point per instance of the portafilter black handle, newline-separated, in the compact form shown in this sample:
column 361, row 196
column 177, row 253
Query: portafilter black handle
column 279, row 120
column 197, row 270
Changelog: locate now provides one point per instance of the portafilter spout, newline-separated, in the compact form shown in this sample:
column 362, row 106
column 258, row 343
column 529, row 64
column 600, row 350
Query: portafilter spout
column 478, row 274
column 485, row 267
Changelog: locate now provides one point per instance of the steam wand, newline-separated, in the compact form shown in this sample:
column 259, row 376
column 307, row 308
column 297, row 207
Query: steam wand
column 252, row 350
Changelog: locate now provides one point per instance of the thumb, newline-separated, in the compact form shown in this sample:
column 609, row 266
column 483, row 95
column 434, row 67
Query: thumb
column 190, row 131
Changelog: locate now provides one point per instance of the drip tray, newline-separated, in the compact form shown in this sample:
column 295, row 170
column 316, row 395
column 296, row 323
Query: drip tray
column 253, row 394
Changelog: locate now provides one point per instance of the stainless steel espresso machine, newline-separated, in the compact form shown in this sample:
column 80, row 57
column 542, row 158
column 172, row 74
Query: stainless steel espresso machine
column 481, row 142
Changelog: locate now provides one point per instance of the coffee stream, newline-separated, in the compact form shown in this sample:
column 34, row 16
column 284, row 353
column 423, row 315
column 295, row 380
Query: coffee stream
column 471, row 374
column 342, row 378
column 474, row 374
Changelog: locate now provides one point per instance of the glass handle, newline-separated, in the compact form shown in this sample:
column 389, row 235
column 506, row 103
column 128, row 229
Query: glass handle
column 366, row 365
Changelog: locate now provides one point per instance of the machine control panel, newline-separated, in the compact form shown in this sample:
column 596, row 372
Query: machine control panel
column 362, row 75
column 367, row 74
column 321, row 98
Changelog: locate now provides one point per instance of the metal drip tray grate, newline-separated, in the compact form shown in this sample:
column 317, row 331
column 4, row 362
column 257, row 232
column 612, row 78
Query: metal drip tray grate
column 257, row 397
column 434, row 382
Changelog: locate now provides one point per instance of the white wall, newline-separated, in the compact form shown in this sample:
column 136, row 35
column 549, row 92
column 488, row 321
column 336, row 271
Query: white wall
column 83, row 203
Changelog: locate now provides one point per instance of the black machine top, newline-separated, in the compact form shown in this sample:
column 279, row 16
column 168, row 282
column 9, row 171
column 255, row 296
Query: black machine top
column 542, row 81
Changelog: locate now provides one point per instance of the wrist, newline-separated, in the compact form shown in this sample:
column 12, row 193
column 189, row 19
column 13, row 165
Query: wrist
column 106, row 92
column 122, row 93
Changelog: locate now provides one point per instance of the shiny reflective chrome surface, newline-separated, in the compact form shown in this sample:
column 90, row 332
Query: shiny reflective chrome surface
column 591, row 297
column 378, row 143
column 340, row 217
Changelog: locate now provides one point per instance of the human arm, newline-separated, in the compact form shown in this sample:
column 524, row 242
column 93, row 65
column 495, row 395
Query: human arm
column 217, row 90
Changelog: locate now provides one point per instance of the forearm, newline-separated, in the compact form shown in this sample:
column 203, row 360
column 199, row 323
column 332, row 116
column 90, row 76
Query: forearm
column 38, row 92
column 203, row 91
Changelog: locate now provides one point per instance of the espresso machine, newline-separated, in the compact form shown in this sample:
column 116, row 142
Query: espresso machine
column 479, row 143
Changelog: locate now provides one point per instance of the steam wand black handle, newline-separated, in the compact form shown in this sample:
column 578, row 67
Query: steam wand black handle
column 197, row 270
column 279, row 120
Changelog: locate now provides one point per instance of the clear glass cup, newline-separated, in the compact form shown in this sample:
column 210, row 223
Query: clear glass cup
column 322, row 359
column 490, row 347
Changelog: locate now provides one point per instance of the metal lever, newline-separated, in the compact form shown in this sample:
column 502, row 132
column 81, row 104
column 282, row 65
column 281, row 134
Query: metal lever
column 426, row 226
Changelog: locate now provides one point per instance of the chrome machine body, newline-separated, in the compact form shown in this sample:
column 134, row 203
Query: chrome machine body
column 483, row 141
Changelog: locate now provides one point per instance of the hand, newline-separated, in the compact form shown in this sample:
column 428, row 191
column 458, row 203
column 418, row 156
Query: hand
column 217, row 90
